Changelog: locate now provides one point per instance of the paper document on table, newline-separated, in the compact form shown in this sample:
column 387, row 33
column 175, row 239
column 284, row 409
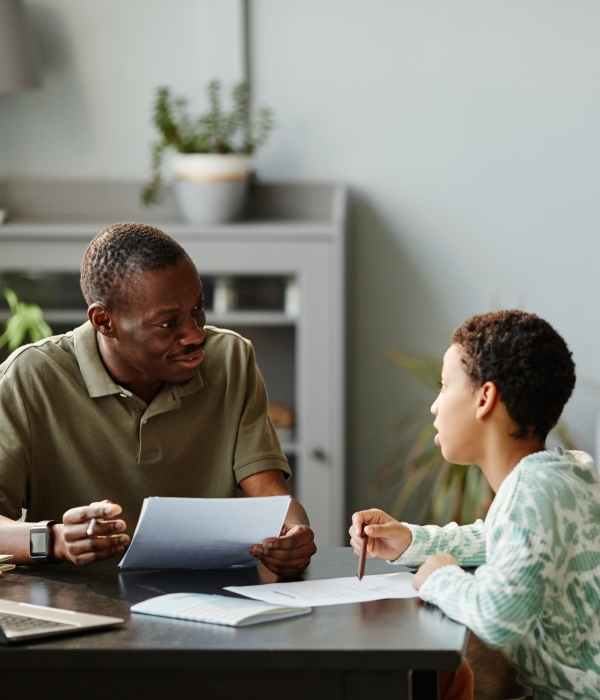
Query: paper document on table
column 203, row 533
column 332, row 591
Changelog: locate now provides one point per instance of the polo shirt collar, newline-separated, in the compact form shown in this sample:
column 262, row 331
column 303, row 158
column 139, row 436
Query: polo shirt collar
column 191, row 387
column 99, row 382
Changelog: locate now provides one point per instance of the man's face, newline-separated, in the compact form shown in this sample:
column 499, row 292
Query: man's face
column 159, row 332
column 455, row 411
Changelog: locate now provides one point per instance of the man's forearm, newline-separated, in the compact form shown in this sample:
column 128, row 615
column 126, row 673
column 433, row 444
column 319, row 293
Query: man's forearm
column 14, row 539
column 296, row 515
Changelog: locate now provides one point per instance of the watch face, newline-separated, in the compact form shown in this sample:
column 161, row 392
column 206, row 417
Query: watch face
column 38, row 542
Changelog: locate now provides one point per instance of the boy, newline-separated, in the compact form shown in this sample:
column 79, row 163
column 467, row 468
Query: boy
column 536, row 594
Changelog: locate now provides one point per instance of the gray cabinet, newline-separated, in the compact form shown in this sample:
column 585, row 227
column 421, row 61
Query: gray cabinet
column 277, row 277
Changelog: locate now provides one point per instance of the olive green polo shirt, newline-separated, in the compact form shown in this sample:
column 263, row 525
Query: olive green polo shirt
column 69, row 435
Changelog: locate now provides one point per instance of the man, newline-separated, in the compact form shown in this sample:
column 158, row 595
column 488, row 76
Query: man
column 142, row 400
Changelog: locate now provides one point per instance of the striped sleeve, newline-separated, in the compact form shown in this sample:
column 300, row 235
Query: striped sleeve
column 501, row 601
column 465, row 543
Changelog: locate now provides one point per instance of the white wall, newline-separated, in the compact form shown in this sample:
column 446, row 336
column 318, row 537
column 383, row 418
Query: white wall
column 101, row 63
column 468, row 130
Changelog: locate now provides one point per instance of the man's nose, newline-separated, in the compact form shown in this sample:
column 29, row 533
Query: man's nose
column 194, row 332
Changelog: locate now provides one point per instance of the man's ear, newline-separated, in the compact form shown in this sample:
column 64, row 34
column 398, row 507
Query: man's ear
column 488, row 396
column 99, row 316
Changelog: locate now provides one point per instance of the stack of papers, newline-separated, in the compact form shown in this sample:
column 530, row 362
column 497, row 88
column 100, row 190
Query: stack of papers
column 332, row 591
column 203, row 533
column 215, row 609
column 3, row 566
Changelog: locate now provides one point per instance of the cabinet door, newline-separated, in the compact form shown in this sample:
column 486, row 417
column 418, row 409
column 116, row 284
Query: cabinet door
column 321, row 482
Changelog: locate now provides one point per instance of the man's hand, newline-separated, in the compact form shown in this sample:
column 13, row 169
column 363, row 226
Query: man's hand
column 289, row 554
column 388, row 538
column 71, row 539
column 432, row 563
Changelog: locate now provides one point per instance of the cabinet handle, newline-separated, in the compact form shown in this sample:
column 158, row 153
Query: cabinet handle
column 319, row 454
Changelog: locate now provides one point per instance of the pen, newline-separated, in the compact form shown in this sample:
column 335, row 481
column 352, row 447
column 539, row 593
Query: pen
column 362, row 557
column 92, row 525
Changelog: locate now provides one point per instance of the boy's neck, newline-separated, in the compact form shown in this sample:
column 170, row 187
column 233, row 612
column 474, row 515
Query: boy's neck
column 503, row 456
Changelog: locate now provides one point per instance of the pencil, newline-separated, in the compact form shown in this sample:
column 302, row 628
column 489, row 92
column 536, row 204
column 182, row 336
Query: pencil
column 91, row 526
column 362, row 557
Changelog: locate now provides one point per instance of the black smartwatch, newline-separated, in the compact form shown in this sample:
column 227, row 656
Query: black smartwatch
column 40, row 542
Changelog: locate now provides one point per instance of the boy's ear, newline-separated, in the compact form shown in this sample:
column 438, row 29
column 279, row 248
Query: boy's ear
column 487, row 399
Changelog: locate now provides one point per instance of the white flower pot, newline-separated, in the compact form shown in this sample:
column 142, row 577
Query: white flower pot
column 210, row 187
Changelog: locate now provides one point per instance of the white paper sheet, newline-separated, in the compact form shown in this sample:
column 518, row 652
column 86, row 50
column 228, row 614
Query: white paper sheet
column 203, row 533
column 332, row 591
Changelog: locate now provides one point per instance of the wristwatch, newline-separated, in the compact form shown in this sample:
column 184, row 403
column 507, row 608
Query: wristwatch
column 40, row 542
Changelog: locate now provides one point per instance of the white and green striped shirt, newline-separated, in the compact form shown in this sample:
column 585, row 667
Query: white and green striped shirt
column 536, row 593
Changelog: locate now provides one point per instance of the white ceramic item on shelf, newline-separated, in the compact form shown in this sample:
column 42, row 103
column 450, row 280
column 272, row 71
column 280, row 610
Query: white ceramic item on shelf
column 210, row 187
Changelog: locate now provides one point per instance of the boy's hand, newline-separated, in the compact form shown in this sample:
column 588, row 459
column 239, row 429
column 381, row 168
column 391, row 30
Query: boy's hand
column 388, row 538
column 432, row 563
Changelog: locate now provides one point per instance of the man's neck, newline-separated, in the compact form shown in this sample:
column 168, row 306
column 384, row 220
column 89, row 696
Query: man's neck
column 124, row 375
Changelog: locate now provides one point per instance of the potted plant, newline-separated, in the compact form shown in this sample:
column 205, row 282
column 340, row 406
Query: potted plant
column 213, row 153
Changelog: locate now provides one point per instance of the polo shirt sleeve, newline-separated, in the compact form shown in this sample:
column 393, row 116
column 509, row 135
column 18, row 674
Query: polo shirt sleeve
column 15, row 450
column 257, row 447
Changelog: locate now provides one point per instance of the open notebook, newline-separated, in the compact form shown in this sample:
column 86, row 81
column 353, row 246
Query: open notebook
column 215, row 609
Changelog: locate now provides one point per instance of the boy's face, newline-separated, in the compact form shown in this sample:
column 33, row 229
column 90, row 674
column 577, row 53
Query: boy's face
column 455, row 411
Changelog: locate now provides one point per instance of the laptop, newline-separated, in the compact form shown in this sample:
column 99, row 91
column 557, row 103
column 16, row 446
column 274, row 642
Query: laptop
column 20, row 622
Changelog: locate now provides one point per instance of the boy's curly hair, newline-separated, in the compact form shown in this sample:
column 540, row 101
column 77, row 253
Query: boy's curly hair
column 119, row 252
column 527, row 360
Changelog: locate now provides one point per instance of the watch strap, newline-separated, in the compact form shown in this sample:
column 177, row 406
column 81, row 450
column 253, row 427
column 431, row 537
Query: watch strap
column 47, row 558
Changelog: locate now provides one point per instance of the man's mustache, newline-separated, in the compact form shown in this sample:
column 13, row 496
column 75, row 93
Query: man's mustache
column 190, row 350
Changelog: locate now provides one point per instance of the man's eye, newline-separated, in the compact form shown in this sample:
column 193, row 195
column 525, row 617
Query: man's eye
column 168, row 324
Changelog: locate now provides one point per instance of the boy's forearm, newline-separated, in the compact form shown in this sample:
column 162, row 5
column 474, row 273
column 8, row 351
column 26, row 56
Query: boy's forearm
column 501, row 601
column 467, row 544
column 486, row 604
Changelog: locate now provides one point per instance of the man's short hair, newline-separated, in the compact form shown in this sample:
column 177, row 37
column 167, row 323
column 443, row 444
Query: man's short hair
column 527, row 360
column 119, row 252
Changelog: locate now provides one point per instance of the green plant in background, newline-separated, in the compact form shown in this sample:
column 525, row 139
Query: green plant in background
column 217, row 131
column 430, row 489
column 26, row 320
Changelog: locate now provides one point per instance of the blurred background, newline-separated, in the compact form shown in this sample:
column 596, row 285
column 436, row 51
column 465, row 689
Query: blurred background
column 468, row 134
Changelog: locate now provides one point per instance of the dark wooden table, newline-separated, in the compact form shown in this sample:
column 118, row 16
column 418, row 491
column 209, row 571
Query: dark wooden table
column 358, row 651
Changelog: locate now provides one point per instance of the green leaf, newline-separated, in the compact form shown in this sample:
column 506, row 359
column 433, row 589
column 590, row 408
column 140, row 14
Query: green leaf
column 13, row 300
column 426, row 370
column 26, row 320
